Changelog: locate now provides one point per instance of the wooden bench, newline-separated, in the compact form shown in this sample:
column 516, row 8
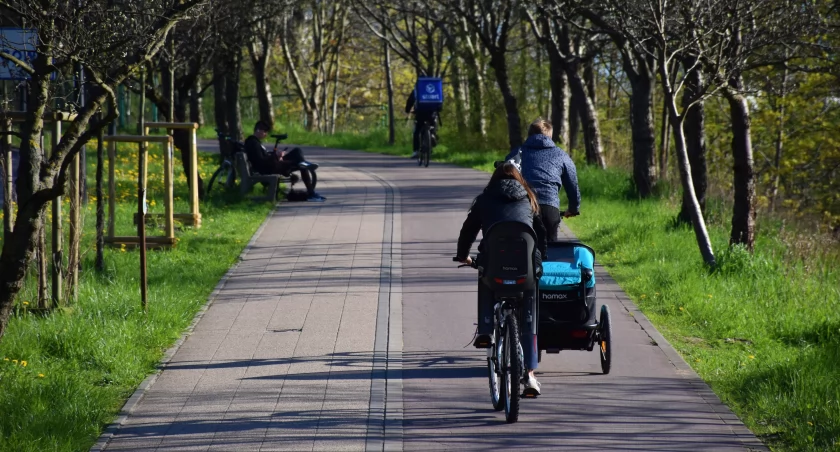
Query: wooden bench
column 247, row 179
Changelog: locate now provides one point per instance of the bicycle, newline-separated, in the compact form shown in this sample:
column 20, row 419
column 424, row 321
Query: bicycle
column 424, row 152
column 226, row 168
column 505, row 358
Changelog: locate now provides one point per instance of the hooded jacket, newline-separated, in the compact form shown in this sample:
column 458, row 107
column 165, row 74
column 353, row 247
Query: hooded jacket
column 546, row 168
column 502, row 200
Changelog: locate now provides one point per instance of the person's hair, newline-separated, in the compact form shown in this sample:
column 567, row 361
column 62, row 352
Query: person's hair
column 262, row 125
column 508, row 171
column 540, row 126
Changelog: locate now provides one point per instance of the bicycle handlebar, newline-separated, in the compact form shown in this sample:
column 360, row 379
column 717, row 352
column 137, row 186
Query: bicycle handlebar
column 472, row 264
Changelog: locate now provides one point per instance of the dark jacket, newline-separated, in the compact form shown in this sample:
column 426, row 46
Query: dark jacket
column 546, row 167
column 257, row 155
column 503, row 200
column 419, row 116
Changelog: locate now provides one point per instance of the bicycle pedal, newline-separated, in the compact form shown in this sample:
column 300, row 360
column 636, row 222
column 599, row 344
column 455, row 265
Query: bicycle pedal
column 530, row 393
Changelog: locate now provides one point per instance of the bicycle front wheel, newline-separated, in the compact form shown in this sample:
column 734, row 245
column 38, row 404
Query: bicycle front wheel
column 511, row 369
column 494, row 372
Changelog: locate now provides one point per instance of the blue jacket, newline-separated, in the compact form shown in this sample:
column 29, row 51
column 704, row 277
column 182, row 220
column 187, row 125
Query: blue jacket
column 546, row 167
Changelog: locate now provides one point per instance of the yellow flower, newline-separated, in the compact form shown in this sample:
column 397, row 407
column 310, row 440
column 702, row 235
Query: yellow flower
column 682, row 309
column 23, row 363
column 26, row 303
column 5, row 359
column 809, row 423
column 14, row 361
column 752, row 357
column 710, row 295
column 122, row 248
column 643, row 296
column 40, row 375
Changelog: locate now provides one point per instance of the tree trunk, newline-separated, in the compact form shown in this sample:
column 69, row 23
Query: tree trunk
column 389, row 86
column 461, row 118
column 559, row 99
column 475, row 80
column 99, row 263
column 694, row 129
column 780, row 135
column 574, row 122
column 259, row 59
column 196, row 109
column 743, row 213
column 220, row 101
column 644, row 164
column 588, row 117
column 664, row 144
column 233, row 111
column 499, row 65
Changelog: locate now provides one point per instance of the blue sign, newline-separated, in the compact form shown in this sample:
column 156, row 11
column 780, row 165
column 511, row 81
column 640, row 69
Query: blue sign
column 21, row 44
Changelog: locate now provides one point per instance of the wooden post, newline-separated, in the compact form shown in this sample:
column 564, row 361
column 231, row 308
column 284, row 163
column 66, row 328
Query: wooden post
column 112, row 188
column 57, row 259
column 168, row 189
column 141, row 192
column 8, row 222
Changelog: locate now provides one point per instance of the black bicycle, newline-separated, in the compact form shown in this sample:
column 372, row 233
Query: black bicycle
column 505, row 358
column 227, row 170
column 424, row 152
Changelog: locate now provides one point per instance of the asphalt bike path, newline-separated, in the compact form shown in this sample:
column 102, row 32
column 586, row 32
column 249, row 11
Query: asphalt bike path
column 346, row 326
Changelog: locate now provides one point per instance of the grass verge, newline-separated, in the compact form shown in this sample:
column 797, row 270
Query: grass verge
column 65, row 375
column 763, row 329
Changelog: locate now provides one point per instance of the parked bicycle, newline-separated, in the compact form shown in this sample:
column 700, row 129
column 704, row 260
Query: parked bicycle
column 227, row 170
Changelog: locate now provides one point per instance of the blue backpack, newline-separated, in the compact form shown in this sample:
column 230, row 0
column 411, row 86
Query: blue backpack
column 428, row 94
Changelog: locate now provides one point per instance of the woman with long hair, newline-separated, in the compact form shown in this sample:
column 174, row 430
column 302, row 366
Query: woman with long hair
column 507, row 197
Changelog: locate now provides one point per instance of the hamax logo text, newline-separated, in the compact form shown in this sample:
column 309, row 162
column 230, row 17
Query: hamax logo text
column 555, row 296
column 510, row 269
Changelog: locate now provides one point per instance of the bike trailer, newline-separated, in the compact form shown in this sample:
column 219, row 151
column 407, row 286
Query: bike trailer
column 428, row 94
column 567, row 297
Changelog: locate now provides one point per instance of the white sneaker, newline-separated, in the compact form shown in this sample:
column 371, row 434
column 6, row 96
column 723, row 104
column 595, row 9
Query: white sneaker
column 532, row 387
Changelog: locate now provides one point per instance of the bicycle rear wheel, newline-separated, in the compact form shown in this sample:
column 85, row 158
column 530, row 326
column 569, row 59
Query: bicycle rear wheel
column 425, row 146
column 221, row 171
column 511, row 369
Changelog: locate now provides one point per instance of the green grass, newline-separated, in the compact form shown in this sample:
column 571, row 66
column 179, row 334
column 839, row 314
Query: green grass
column 763, row 329
column 85, row 359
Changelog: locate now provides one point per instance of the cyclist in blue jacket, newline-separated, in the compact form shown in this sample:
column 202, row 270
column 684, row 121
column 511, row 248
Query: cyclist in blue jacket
column 546, row 167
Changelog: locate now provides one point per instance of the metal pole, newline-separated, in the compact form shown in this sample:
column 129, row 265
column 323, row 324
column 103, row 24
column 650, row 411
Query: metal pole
column 141, row 192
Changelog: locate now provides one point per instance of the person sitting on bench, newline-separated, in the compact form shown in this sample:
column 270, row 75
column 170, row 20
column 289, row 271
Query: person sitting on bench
column 282, row 163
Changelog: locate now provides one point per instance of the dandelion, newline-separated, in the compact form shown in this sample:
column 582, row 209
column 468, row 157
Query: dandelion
column 26, row 303
column 5, row 359
column 14, row 361
column 697, row 360
column 682, row 308
column 752, row 357
column 40, row 375
column 23, row 363
column 710, row 295
column 811, row 424
column 643, row 296
column 122, row 248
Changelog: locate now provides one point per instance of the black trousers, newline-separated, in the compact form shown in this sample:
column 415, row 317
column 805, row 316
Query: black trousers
column 551, row 219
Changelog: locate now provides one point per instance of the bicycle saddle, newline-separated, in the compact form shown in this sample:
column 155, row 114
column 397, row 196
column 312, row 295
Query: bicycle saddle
column 281, row 136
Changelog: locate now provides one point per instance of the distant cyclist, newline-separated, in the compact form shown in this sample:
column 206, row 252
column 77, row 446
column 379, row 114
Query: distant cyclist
column 546, row 168
column 432, row 116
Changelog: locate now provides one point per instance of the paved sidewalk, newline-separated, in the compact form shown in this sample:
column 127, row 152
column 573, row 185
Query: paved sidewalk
column 344, row 328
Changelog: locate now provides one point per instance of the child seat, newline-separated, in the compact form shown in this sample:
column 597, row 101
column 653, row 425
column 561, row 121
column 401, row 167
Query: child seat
column 508, row 259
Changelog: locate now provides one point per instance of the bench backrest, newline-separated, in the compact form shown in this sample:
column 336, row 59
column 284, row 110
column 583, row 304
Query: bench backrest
column 243, row 167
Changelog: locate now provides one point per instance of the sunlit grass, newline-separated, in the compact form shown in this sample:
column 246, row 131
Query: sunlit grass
column 85, row 359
